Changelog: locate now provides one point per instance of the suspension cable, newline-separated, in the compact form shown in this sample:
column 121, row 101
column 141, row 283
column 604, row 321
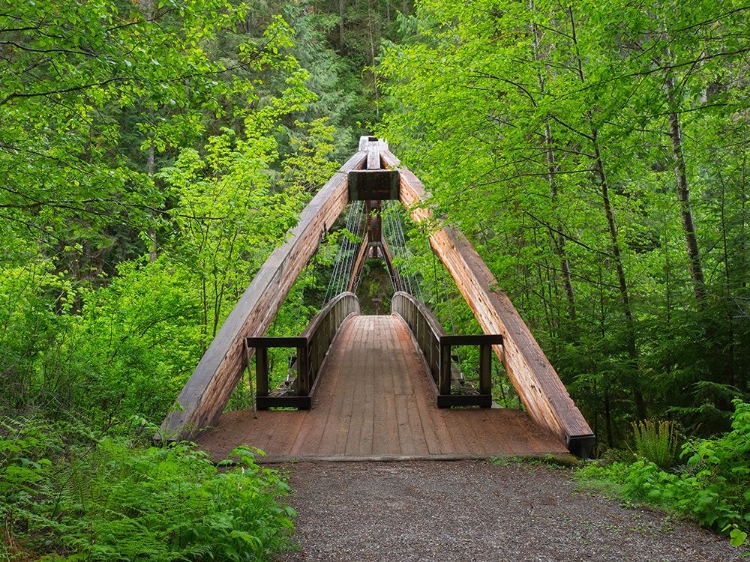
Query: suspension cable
column 346, row 254
column 394, row 234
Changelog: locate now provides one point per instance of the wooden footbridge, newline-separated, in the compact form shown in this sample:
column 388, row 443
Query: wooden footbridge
column 374, row 387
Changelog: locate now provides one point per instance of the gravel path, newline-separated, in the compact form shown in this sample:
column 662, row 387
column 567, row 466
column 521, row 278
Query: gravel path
column 471, row 510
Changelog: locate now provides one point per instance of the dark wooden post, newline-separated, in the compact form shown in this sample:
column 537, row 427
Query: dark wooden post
column 303, row 370
column 485, row 369
column 261, row 371
column 445, row 369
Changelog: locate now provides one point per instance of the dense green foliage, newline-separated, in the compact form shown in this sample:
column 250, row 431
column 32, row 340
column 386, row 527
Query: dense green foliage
column 595, row 154
column 141, row 148
column 152, row 144
column 713, row 486
column 152, row 154
column 111, row 499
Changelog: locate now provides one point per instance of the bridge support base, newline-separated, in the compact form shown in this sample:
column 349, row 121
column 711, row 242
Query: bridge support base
column 299, row 402
column 581, row 446
column 450, row 400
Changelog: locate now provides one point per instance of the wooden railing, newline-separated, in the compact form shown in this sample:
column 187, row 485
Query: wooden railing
column 312, row 347
column 436, row 347
column 208, row 390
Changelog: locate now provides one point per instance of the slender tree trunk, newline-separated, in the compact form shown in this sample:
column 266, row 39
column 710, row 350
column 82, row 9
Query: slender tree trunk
column 729, row 363
column 608, row 418
column 147, row 9
column 683, row 191
column 605, row 383
column 150, row 168
column 372, row 58
column 567, row 279
column 558, row 237
column 600, row 171
column 342, row 13
column 614, row 240
column 742, row 381
column 627, row 310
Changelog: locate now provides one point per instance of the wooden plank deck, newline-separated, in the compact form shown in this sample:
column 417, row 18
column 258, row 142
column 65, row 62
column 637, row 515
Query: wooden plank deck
column 375, row 403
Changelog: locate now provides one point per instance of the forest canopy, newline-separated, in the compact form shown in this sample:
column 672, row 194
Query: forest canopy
column 596, row 153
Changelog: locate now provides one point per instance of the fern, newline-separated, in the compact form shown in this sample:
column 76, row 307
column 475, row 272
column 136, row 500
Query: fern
column 712, row 488
column 114, row 500
column 656, row 442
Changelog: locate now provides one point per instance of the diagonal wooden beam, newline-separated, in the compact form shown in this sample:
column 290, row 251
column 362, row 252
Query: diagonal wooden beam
column 531, row 373
column 358, row 263
column 207, row 392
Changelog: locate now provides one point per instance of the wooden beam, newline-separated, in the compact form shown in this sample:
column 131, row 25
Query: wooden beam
column 358, row 263
column 203, row 398
column 531, row 373
column 368, row 185
column 373, row 154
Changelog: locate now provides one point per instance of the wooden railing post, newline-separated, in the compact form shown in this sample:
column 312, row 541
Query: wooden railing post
column 445, row 369
column 261, row 371
column 303, row 370
column 485, row 369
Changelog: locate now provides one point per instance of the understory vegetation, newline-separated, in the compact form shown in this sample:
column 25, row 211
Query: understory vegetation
column 110, row 498
column 708, row 481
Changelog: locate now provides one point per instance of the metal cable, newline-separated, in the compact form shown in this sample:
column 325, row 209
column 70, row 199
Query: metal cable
column 396, row 239
column 346, row 253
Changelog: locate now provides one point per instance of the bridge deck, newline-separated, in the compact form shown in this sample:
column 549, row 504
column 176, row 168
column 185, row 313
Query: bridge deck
column 375, row 402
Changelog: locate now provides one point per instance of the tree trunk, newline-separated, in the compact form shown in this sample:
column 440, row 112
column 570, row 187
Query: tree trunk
column 558, row 238
column 373, row 60
column 150, row 168
column 567, row 280
column 683, row 192
column 342, row 13
column 147, row 8
column 599, row 170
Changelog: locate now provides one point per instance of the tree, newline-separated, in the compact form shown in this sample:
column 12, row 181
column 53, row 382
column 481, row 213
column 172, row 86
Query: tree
column 561, row 139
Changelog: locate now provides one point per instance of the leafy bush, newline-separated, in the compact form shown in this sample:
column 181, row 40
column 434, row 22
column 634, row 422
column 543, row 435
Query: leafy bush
column 114, row 500
column 713, row 487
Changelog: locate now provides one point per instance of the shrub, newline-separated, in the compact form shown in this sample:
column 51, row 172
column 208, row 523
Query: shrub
column 115, row 500
column 713, row 487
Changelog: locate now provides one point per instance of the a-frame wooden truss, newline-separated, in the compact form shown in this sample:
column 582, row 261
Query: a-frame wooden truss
column 207, row 392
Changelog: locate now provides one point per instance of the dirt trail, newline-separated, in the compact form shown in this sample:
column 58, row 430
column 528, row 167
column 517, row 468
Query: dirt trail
column 477, row 511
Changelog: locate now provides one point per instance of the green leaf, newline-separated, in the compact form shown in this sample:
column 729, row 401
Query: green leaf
column 737, row 537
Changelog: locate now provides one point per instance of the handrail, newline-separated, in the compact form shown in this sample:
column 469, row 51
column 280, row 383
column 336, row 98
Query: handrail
column 436, row 347
column 312, row 346
column 425, row 327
